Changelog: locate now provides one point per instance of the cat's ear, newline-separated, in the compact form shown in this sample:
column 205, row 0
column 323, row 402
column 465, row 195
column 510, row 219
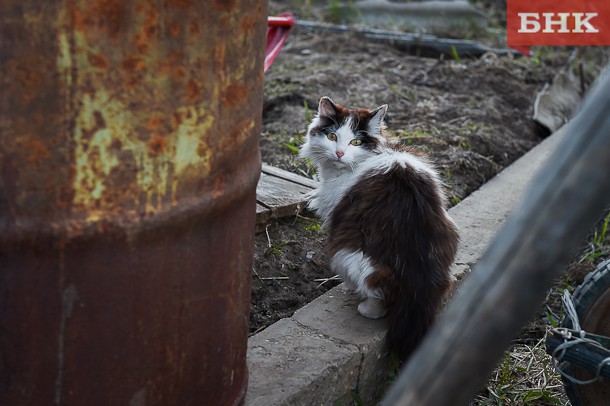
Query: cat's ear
column 379, row 113
column 326, row 107
column 376, row 120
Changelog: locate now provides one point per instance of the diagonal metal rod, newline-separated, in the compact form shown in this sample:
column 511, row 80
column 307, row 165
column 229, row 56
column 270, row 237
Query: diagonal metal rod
column 508, row 285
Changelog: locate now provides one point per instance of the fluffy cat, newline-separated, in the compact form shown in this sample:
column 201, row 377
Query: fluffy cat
column 390, row 238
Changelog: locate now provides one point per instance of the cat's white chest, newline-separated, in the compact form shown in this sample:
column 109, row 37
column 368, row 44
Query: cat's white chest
column 334, row 184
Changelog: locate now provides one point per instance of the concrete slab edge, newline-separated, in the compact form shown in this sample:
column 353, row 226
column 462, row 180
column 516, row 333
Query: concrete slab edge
column 326, row 353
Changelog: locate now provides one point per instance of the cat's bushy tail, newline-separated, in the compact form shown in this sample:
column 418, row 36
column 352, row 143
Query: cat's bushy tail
column 412, row 314
column 423, row 274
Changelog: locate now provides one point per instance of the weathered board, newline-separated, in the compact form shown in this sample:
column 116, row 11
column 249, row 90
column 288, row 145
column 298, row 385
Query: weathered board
column 280, row 193
column 293, row 177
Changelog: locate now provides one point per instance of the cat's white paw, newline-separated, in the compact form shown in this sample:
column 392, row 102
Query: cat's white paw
column 372, row 308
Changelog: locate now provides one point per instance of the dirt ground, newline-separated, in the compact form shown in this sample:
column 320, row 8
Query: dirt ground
column 472, row 116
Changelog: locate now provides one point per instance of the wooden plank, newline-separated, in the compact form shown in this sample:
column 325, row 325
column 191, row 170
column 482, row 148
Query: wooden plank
column 282, row 197
column 508, row 284
column 293, row 177
column 263, row 215
column 280, row 193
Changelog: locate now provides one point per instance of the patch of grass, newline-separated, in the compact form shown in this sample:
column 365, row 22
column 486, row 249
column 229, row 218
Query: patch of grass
column 455, row 200
column 411, row 135
column 525, row 376
column 470, row 129
column 341, row 12
column 334, row 11
column 599, row 245
column 279, row 87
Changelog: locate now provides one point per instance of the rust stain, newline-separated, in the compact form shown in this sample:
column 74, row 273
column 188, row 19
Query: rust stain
column 132, row 83
column 194, row 28
column 153, row 123
column 141, row 43
column 157, row 145
column 105, row 15
column 183, row 4
column 134, row 64
column 174, row 29
column 110, row 14
column 180, row 72
column 203, row 149
column 116, row 145
column 224, row 5
column 77, row 18
column 248, row 24
column 219, row 61
column 27, row 76
column 193, row 90
column 178, row 117
column 234, row 95
column 143, row 38
column 66, row 194
column 219, row 188
column 168, row 64
column 37, row 151
column 97, row 60
column 98, row 118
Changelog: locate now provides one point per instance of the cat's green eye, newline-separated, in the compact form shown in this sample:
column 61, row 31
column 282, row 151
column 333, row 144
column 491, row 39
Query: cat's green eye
column 356, row 142
column 331, row 136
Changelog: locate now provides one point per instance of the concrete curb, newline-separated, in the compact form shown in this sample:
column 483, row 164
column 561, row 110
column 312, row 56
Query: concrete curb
column 326, row 351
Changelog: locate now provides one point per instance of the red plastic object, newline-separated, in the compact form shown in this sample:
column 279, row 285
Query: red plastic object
column 277, row 32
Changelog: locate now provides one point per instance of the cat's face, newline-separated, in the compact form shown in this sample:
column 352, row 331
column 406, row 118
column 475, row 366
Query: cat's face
column 342, row 137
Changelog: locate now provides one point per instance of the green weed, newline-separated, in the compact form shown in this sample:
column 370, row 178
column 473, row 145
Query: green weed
column 465, row 145
column 454, row 53
column 448, row 175
column 339, row 13
column 308, row 115
column 334, row 11
column 293, row 144
column 293, row 148
column 599, row 245
column 313, row 227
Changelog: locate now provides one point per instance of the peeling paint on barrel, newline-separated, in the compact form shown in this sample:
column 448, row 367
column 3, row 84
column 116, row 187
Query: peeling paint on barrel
column 128, row 166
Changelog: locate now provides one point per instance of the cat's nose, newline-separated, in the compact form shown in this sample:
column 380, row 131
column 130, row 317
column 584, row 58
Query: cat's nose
column 340, row 154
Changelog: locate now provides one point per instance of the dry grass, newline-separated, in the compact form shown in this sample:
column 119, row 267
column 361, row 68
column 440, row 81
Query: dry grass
column 525, row 376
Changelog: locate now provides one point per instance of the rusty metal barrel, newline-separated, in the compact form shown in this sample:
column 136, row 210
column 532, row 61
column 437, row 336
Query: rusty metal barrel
column 129, row 161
